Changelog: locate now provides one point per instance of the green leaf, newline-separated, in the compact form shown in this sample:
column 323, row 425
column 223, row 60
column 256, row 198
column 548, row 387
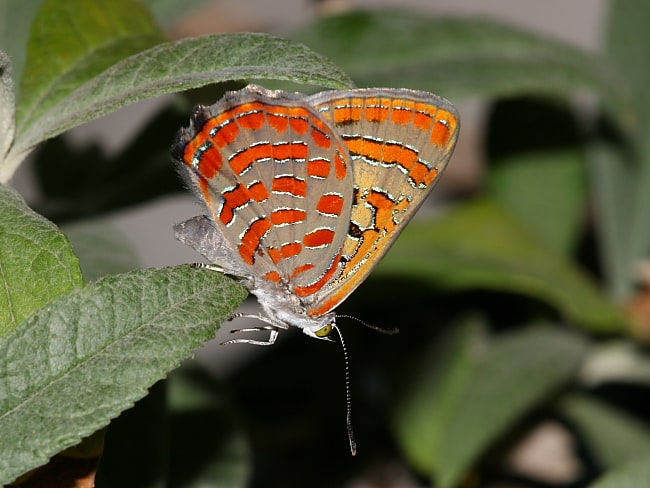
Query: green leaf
column 176, row 66
column 7, row 105
column 208, row 447
column 611, row 180
column 535, row 144
column 480, row 245
column 185, row 433
column 101, row 248
column 610, row 434
column 556, row 208
column 433, row 391
column 36, row 261
column 457, row 57
column 622, row 176
column 87, row 356
column 632, row 475
column 16, row 19
column 168, row 12
column 71, row 42
column 456, row 409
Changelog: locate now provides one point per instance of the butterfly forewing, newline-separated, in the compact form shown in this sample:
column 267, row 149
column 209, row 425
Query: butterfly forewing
column 259, row 158
column 399, row 143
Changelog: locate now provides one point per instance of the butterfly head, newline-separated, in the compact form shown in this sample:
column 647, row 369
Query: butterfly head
column 321, row 328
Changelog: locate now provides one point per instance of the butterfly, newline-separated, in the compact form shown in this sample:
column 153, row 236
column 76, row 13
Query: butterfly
column 305, row 194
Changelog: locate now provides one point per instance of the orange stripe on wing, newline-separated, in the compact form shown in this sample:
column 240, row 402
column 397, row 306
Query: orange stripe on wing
column 251, row 121
column 291, row 185
column 287, row 216
column 445, row 126
column 226, row 134
column 321, row 138
column 243, row 160
column 340, row 166
column 302, row 269
column 318, row 238
column 351, row 112
column 210, row 163
column 379, row 151
column 278, row 121
column 318, row 168
column 258, row 190
column 252, row 238
column 286, row 251
column 240, row 196
column 273, row 276
column 290, row 150
column 376, row 111
column 330, row 204
column 305, row 291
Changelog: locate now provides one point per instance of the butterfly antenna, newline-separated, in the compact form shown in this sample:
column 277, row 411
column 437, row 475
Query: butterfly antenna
column 383, row 330
column 348, row 394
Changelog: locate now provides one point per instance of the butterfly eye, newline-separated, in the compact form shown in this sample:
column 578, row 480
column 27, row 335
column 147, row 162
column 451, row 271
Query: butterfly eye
column 324, row 331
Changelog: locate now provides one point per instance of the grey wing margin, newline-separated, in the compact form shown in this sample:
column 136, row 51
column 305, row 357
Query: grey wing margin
column 201, row 235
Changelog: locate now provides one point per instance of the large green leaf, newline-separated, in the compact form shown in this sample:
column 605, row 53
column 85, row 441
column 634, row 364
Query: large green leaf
column 456, row 57
column 73, row 41
column 464, row 400
column 176, row 66
column 480, row 245
column 87, row 356
column 36, row 261
column 7, row 105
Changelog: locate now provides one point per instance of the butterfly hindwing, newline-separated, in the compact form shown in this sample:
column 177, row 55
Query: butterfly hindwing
column 399, row 142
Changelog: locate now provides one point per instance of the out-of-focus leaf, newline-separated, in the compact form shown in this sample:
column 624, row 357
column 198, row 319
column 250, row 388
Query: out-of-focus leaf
column 207, row 448
column 632, row 475
column 537, row 169
column 169, row 11
column 102, row 250
column 456, row 409
column 480, row 245
column 612, row 435
column 15, row 24
column 611, row 180
column 458, row 57
column 7, row 105
column 622, row 176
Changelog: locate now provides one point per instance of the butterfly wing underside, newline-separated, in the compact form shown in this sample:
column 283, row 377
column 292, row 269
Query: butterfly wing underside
column 399, row 141
column 258, row 158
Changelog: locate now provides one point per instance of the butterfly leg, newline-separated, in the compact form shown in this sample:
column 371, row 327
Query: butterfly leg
column 271, row 340
column 273, row 327
column 210, row 267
